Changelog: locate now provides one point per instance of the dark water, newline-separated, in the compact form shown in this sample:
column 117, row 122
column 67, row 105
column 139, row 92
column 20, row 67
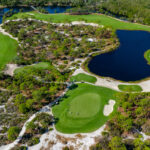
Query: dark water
column 127, row 63
column 50, row 9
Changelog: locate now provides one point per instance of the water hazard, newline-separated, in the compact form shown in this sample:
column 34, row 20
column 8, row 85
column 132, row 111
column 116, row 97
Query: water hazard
column 127, row 63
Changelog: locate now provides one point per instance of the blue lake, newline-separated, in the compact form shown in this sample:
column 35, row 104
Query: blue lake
column 50, row 9
column 126, row 63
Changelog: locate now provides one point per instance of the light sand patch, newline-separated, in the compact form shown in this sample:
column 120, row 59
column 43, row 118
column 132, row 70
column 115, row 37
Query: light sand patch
column 55, row 140
column 108, row 109
column 88, row 24
column 10, row 69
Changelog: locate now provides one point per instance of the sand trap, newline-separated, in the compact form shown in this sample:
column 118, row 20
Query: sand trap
column 88, row 24
column 10, row 69
column 108, row 109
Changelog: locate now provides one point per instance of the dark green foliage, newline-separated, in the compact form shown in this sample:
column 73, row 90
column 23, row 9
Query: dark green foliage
column 33, row 141
column 13, row 133
column 133, row 10
column 42, row 2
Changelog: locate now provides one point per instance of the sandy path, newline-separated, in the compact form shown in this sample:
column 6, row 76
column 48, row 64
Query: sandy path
column 113, row 84
column 78, row 141
column 6, row 33
column 10, row 68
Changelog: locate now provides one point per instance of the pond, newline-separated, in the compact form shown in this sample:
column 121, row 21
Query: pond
column 50, row 9
column 126, row 63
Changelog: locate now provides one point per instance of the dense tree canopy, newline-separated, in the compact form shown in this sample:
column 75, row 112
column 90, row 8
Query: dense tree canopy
column 133, row 10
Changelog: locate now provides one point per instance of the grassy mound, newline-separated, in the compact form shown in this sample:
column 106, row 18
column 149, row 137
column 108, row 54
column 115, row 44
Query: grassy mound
column 81, row 109
column 41, row 65
column 84, row 77
column 8, row 49
column 129, row 88
column 95, row 18
column 147, row 56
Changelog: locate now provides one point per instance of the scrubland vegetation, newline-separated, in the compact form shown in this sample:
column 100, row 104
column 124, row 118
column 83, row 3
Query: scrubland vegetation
column 124, row 129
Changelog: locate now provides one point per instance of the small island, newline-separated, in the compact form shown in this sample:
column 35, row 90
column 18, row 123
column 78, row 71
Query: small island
column 147, row 56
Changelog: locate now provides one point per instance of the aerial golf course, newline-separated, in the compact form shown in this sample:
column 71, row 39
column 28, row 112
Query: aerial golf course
column 81, row 109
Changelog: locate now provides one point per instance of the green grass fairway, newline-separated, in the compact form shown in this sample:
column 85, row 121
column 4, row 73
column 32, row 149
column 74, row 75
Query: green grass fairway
column 83, row 77
column 81, row 110
column 129, row 88
column 100, row 19
column 42, row 65
column 147, row 56
column 8, row 49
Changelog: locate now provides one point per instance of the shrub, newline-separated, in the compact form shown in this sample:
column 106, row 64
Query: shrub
column 13, row 133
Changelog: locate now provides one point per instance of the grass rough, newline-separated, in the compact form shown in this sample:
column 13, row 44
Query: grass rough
column 130, row 88
column 41, row 65
column 83, row 77
column 8, row 50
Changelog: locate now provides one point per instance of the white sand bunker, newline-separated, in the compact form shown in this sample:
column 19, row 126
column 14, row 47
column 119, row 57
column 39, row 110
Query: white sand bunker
column 10, row 69
column 108, row 109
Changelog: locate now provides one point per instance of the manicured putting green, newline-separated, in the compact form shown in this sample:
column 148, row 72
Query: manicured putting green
column 147, row 56
column 129, row 88
column 83, row 77
column 81, row 109
column 8, row 48
column 87, row 100
column 41, row 65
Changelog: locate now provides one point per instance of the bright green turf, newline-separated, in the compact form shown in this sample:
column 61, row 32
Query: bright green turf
column 8, row 49
column 130, row 88
column 83, row 77
column 147, row 56
column 41, row 65
column 87, row 100
column 81, row 110
column 100, row 19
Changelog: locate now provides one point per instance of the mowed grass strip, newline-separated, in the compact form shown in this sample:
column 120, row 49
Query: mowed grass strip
column 83, row 77
column 130, row 88
column 147, row 56
column 81, row 109
column 41, row 65
column 95, row 18
column 8, row 49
